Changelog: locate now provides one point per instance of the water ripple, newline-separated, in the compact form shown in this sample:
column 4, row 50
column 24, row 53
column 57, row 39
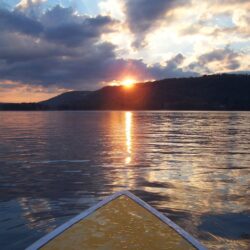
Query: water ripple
column 193, row 166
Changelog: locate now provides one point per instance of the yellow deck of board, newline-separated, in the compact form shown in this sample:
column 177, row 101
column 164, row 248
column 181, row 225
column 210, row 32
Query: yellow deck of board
column 120, row 224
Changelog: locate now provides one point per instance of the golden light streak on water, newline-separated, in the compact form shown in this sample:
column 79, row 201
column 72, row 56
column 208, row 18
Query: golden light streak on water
column 128, row 126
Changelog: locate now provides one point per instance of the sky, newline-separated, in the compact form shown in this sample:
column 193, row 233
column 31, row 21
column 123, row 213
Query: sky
column 48, row 47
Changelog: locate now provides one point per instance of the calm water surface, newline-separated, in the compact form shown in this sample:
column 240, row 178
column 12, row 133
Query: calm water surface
column 192, row 166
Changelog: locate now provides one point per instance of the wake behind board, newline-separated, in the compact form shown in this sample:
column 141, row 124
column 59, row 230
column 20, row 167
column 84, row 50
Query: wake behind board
column 121, row 221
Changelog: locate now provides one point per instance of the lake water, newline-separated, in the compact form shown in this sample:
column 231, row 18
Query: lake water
column 192, row 166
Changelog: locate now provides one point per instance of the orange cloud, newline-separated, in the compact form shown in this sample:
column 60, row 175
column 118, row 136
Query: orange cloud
column 15, row 92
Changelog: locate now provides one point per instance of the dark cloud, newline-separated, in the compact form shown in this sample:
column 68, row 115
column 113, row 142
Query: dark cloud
column 70, row 69
column 142, row 15
column 173, row 68
column 31, row 8
column 228, row 59
column 64, row 50
column 73, row 34
column 47, row 51
column 59, row 16
column 18, row 22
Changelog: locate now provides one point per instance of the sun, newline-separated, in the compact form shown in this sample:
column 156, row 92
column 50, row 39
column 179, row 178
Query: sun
column 128, row 83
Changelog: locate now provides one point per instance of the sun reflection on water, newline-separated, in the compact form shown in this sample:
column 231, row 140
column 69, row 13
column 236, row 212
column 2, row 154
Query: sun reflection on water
column 128, row 126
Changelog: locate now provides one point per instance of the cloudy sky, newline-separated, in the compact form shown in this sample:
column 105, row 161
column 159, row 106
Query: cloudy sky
column 51, row 46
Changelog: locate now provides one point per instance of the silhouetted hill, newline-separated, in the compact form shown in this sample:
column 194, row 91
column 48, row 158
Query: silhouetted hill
column 66, row 99
column 214, row 92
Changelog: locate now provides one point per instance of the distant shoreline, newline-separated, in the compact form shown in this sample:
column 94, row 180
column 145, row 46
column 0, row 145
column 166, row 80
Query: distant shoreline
column 223, row 92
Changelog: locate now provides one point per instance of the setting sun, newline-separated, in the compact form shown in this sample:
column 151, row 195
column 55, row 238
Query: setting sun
column 128, row 83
